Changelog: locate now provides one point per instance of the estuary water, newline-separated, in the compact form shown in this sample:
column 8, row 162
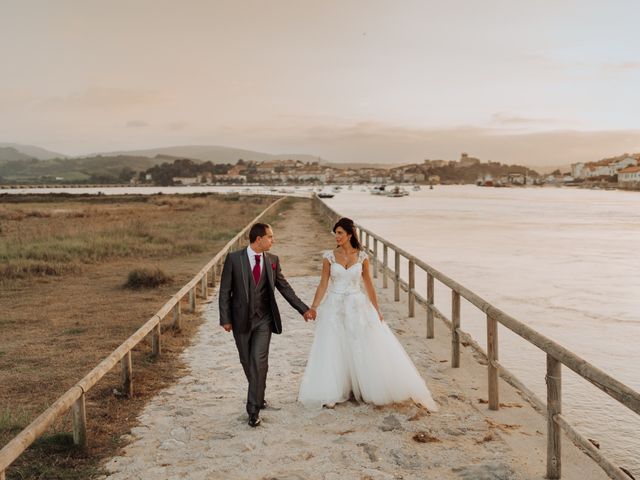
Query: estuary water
column 564, row 261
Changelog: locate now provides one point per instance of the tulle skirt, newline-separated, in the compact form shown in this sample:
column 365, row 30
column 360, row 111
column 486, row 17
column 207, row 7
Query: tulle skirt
column 354, row 353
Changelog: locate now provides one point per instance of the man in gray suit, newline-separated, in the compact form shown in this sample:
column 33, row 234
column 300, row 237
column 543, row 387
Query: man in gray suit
column 248, row 308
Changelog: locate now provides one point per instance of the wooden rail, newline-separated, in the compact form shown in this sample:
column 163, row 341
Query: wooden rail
column 74, row 398
column 557, row 355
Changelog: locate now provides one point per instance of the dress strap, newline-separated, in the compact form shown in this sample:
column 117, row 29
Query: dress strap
column 328, row 254
column 362, row 256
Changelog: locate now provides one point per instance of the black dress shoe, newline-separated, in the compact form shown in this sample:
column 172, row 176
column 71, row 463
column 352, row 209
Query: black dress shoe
column 254, row 420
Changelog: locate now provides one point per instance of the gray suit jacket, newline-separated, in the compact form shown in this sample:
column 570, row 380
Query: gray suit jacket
column 234, row 291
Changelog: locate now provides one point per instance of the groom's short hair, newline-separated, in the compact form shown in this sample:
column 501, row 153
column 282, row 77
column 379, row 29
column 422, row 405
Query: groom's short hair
column 257, row 230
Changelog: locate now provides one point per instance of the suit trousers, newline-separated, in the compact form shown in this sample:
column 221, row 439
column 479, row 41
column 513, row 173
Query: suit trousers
column 253, row 349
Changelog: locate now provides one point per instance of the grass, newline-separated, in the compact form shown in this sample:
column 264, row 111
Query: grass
column 146, row 278
column 63, row 262
column 55, row 239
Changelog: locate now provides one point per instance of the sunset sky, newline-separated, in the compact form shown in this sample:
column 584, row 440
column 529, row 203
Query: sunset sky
column 541, row 83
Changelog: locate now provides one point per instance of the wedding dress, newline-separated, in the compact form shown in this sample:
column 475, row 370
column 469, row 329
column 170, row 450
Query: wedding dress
column 354, row 352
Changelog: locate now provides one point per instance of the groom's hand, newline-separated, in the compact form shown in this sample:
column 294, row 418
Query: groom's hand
column 227, row 327
column 309, row 315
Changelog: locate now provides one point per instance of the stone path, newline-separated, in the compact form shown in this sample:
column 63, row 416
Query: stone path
column 197, row 428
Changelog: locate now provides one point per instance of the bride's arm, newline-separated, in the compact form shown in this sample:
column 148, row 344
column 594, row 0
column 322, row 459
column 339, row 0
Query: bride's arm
column 368, row 286
column 322, row 287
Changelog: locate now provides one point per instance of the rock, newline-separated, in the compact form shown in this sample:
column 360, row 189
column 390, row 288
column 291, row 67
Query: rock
column 171, row 444
column 184, row 412
column 410, row 461
column 370, row 450
column 425, row 437
column 390, row 423
column 486, row 471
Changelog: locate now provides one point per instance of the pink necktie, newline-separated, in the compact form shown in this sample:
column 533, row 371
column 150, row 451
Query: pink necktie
column 256, row 269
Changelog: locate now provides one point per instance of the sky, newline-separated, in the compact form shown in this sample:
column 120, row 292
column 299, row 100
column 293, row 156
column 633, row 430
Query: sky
column 536, row 83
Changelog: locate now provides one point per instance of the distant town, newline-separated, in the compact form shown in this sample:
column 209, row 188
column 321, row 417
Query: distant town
column 19, row 165
column 622, row 172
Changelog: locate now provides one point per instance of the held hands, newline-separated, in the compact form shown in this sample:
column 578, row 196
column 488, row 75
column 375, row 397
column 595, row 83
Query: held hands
column 227, row 327
column 309, row 314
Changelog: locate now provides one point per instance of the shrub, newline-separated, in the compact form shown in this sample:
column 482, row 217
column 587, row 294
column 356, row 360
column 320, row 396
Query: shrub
column 146, row 278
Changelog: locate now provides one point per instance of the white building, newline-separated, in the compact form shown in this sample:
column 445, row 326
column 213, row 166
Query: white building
column 577, row 170
column 624, row 163
column 186, row 180
column 629, row 176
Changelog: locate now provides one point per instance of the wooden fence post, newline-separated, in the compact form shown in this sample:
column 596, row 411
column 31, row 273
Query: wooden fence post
column 213, row 275
column 554, row 407
column 455, row 325
column 430, row 325
column 156, row 348
column 192, row 299
column 411, row 289
column 177, row 316
column 396, row 293
column 203, row 286
column 492, row 357
column 375, row 257
column 127, row 375
column 79, row 420
column 368, row 238
column 385, row 266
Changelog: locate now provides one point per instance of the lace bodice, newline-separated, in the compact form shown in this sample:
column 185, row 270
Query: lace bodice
column 345, row 280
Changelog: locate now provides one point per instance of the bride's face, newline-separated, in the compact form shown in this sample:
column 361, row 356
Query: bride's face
column 342, row 237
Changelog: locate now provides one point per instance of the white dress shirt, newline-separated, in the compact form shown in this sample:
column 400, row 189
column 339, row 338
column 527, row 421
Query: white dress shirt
column 252, row 259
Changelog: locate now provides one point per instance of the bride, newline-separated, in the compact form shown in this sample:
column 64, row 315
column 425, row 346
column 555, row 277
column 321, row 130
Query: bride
column 354, row 351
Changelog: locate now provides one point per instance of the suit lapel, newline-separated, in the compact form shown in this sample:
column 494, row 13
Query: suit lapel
column 244, row 261
column 270, row 273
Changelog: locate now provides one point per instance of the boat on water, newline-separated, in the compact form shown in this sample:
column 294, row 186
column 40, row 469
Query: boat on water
column 378, row 190
column 325, row 195
column 397, row 192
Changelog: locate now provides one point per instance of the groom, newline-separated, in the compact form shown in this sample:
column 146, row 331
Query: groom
column 248, row 308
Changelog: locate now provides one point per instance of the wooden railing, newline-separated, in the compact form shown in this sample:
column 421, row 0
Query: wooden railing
column 74, row 398
column 557, row 355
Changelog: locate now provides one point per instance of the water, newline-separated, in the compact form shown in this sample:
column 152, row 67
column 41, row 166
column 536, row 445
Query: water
column 148, row 190
column 564, row 261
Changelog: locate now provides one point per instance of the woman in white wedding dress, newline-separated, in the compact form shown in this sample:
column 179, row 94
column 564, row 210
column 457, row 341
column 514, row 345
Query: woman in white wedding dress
column 354, row 351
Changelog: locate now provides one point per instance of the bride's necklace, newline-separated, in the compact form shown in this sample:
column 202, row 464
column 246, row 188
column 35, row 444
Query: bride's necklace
column 346, row 257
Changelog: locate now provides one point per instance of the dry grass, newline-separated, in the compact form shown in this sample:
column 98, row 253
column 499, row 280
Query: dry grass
column 63, row 308
column 146, row 278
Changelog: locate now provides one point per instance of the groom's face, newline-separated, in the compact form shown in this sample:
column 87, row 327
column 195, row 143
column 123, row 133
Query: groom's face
column 265, row 242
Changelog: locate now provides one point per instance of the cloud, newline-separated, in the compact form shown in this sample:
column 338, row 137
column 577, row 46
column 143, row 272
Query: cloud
column 137, row 124
column 104, row 98
column 621, row 66
column 506, row 119
column 177, row 126
column 372, row 142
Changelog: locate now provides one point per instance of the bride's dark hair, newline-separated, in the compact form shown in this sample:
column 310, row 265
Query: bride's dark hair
column 348, row 226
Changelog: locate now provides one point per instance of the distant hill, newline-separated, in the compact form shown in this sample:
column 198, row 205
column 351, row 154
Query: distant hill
column 98, row 169
column 10, row 154
column 32, row 151
column 215, row 154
